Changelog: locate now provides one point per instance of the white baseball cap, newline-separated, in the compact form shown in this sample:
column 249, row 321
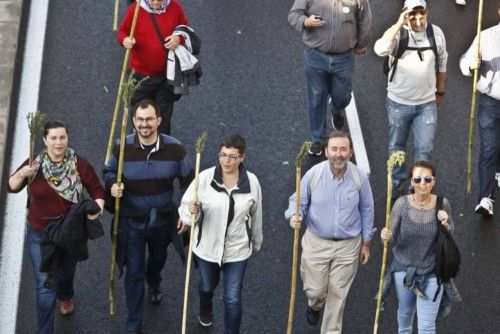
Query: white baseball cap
column 410, row 4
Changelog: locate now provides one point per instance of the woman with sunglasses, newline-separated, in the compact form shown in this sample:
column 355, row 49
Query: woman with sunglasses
column 413, row 235
column 228, row 229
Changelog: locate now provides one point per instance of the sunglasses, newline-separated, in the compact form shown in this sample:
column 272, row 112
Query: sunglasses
column 427, row 179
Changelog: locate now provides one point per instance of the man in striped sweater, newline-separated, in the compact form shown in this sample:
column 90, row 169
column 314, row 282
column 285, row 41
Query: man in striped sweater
column 152, row 161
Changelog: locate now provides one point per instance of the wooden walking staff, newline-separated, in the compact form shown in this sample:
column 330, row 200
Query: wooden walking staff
column 120, row 87
column 128, row 90
column 296, row 233
column 115, row 15
column 200, row 145
column 473, row 100
column 396, row 159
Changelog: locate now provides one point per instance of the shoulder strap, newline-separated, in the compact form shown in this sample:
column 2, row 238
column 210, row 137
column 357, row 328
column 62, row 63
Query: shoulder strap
column 355, row 175
column 317, row 176
column 439, row 206
column 432, row 40
column 402, row 46
column 158, row 31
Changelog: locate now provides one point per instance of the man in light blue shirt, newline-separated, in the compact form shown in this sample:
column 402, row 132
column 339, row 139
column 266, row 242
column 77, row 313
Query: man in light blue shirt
column 337, row 203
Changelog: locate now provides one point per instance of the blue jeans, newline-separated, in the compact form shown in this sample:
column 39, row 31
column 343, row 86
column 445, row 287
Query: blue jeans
column 427, row 310
column 422, row 119
column 327, row 74
column 138, row 235
column 489, row 148
column 61, row 289
column 234, row 273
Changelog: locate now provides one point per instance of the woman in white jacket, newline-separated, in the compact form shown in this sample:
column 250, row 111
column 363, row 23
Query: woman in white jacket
column 228, row 229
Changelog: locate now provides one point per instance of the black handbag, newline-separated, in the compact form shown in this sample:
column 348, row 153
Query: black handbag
column 447, row 257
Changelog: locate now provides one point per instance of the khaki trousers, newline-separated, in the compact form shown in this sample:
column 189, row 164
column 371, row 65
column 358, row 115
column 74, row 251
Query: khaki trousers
column 328, row 269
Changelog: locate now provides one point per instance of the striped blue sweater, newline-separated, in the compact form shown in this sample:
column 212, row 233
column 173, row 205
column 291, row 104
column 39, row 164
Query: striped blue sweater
column 148, row 175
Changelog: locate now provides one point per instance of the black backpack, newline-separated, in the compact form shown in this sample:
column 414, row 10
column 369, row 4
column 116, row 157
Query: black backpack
column 403, row 46
column 448, row 256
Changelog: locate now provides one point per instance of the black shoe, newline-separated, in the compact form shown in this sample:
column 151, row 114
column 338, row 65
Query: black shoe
column 312, row 316
column 338, row 120
column 205, row 320
column 154, row 295
column 316, row 149
column 206, row 316
column 137, row 331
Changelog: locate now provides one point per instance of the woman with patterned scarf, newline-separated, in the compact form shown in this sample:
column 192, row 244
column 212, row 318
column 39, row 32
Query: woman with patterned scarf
column 55, row 182
column 149, row 48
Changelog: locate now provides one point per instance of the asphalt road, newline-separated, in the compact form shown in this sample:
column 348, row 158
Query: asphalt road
column 254, row 84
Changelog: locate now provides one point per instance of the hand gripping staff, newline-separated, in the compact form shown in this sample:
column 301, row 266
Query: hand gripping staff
column 396, row 159
column 128, row 90
column 473, row 103
column 298, row 175
column 200, row 145
column 121, row 85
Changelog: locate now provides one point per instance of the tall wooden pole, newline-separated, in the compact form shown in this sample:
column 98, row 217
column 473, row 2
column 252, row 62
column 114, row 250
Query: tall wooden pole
column 396, row 159
column 296, row 235
column 120, row 86
column 200, row 145
column 128, row 90
column 473, row 103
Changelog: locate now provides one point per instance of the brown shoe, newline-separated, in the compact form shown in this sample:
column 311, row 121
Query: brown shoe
column 66, row 307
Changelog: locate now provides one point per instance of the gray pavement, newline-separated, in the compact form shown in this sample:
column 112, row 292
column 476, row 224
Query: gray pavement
column 10, row 21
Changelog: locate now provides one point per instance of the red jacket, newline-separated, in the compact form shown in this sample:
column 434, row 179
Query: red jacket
column 148, row 54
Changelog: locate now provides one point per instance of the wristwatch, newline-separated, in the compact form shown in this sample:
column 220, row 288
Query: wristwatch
column 438, row 93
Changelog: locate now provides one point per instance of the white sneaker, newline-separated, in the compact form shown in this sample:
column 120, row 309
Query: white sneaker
column 485, row 207
column 460, row 2
column 497, row 176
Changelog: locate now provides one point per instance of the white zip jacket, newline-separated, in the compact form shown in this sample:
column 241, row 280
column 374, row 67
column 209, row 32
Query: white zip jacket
column 215, row 240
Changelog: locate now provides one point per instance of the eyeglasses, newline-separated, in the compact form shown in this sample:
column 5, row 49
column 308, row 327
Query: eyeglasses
column 147, row 120
column 231, row 157
column 413, row 13
column 427, row 179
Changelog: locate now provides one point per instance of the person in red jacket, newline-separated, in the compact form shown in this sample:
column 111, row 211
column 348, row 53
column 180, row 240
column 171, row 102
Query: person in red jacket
column 56, row 181
column 149, row 51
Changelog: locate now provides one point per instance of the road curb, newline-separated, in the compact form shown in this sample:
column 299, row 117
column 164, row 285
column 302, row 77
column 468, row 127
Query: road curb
column 10, row 22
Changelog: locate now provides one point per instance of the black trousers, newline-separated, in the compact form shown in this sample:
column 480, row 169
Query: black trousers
column 157, row 89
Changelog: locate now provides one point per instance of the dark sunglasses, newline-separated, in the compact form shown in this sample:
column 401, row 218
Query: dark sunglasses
column 427, row 179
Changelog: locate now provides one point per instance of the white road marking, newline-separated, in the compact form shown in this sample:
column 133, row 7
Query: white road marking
column 11, row 253
column 357, row 137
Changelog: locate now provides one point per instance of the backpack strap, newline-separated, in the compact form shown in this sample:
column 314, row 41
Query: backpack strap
column 317, row 176
column 355, row 175
column 432, row 41
column 402, row 46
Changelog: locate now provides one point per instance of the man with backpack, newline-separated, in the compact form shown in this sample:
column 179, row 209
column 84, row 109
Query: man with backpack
column 416, row 68
column 336, row 203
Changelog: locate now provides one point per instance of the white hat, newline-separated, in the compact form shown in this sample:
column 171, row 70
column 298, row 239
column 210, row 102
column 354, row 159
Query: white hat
column 410, row 4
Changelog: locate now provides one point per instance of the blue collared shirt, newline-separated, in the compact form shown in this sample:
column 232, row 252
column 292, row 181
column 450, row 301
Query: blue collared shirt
column 335, row 208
